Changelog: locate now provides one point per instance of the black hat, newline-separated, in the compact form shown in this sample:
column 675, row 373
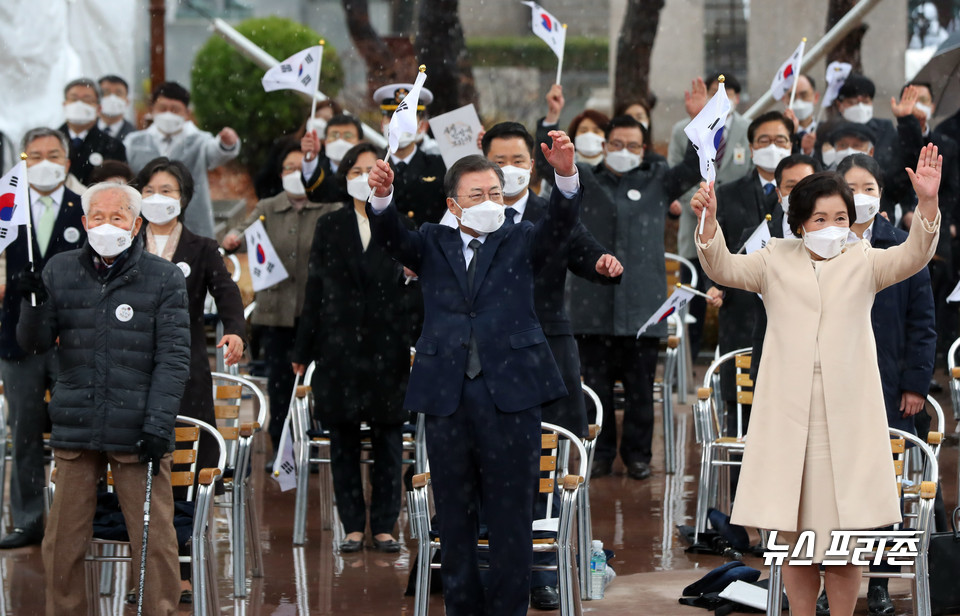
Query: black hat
column 852, row 129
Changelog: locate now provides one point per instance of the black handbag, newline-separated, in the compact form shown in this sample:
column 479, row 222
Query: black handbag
column 943, row 559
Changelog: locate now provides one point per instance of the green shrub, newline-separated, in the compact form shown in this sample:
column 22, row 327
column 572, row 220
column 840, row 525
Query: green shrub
column 581, row 53
column 227, row 90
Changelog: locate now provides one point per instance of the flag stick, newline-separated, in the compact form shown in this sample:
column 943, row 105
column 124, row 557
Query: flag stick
column 796, row 77
column 560, row 59
column 766, row 219
column 316, row 82
column 33, row 296
column 692, row 290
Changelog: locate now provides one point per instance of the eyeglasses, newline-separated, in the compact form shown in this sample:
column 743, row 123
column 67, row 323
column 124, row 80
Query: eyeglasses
column 617, row 145
column 347, row 135
column 476, row 197
column 780, row 141
column 166, row 191
column 289, row 168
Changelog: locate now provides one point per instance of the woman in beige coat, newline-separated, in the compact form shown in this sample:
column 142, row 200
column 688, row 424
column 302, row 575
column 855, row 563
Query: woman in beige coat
column 818, row 455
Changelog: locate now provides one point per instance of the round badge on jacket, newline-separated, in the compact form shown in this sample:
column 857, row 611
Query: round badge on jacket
column 633, row 194
column 96, row 159
column 124, row 312
column 71, row 234
column 185, row 268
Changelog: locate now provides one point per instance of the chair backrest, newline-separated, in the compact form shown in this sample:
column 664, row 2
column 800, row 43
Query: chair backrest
column 928, row 484
column 228, row 392
column 935, row 435
column 675, row 264
column 744, row 383
column 711, row 380
column 556, row 443
column 593, row 430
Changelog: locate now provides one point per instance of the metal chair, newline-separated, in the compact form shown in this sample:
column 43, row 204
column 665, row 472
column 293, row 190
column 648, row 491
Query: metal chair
column 924, row 523
column 954, row 371
column 584, row 518
column 228, row 392
column 670, row 369
column 104, row 552
column 557, row 468
column 674, row 264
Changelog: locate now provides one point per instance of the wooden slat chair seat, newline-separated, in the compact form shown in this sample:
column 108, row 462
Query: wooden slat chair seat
column 918, row 574
column 229, row 391
column 554, row 440
column 105, row 552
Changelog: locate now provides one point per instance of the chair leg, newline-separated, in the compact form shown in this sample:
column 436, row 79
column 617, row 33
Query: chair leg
column 253, row 533
column 424, row 554
column 326, row 488
column 3, row 483
column 300, row 503
column 106, row 570
column 584, row 539
column 775, row 592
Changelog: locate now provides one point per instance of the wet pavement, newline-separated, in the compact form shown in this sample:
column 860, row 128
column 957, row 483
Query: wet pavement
column 636, row 519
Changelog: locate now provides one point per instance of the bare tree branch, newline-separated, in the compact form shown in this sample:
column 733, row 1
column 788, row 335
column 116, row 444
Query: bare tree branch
column 848, row 50
column 634, row 48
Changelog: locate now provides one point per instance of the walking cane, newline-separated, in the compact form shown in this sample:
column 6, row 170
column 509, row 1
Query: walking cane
column 143, row 543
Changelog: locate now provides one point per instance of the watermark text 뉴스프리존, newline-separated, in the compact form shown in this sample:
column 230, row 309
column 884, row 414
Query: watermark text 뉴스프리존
column 855, row 547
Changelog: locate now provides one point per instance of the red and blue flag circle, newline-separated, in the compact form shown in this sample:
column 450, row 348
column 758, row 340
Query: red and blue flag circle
column 261, row 255
column 545, row 19
column 667, row 314
column 7, row 206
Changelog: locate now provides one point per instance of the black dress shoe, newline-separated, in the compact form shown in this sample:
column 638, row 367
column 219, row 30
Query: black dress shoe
column 349, row 545
column 21, row 538
column 823, row 608
column 878, row 601
column 638, row 470
column 545, row 598
column 387, row 545
column 601, row 468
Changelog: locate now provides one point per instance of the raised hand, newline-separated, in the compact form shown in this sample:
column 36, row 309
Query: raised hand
column 559, row 155
column 310, row 145
column 609, row 266
column 706, row 199
column 228, row 137
column 480, row 139
column 696, row 99
column 555, row 104
column 904, row 107
column 381, row 179
column 793, row 118
column 926, row 179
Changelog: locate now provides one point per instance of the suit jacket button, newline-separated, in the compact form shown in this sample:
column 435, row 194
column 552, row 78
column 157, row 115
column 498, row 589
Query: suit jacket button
column 473, row 315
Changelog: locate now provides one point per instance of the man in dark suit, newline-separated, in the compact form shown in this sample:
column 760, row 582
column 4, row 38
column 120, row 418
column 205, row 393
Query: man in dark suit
column 510, row 146
column 418, row 175
column 114, row 101
column 855, row 104
column 483, row 367
column 89, row 146
column 321, row 158
column 746, row 203
column 57, row 227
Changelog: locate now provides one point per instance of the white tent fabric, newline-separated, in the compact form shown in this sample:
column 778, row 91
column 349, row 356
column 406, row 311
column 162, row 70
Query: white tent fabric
column 46, row 44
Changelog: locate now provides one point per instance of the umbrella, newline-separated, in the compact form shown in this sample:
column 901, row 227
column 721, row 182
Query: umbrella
column 942, row 72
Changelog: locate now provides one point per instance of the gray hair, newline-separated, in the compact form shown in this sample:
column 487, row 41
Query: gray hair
column 37, row 133
column 134, row 200
column 85, row 82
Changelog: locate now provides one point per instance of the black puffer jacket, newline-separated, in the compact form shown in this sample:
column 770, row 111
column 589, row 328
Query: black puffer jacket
column 124, row 347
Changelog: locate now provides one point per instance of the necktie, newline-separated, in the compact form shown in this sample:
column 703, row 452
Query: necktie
column 510, row 214
column 45, row 225
column 769, row 188
column 473, row 353
column 167, row 145
column 721, row 145
column 75, row 143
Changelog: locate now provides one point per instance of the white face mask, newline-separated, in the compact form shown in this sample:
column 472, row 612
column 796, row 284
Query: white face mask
column 839, row 155
column 108, row 240
column 861, row 113
column 515, row 180
column 623, row 161
column 45, row 175
column 160, row 209
column 588, row 144
column 827, row 242
column 867, row 207
column 802, row 109
column 769, row 157
column 337, row 149
column 169, row 123
column 112, row 105
column 484, row 217
column 785, row 203
column 358, row 188
column 79, row 112
column 317, row 124
column 829, row 157
column 293, row 184
column 926, row 110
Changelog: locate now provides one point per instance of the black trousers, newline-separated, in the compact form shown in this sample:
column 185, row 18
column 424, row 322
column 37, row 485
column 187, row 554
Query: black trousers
column 387, row 442
column 278, row 349
column 604, row 360
column 482, row 457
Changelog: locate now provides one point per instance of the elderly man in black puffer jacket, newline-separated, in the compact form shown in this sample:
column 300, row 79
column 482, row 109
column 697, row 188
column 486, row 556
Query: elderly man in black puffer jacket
column 118, row 316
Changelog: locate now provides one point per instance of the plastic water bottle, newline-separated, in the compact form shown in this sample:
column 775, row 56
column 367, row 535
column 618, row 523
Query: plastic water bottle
column 598, row 568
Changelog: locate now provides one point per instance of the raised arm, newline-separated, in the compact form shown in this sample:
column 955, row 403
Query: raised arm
column 898, row 263
column 563, row 213
column 739, row 271
column 386, row 225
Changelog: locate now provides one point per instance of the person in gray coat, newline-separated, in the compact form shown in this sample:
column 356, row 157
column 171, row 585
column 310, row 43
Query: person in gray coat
column 174, row 135
column 118, row 319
